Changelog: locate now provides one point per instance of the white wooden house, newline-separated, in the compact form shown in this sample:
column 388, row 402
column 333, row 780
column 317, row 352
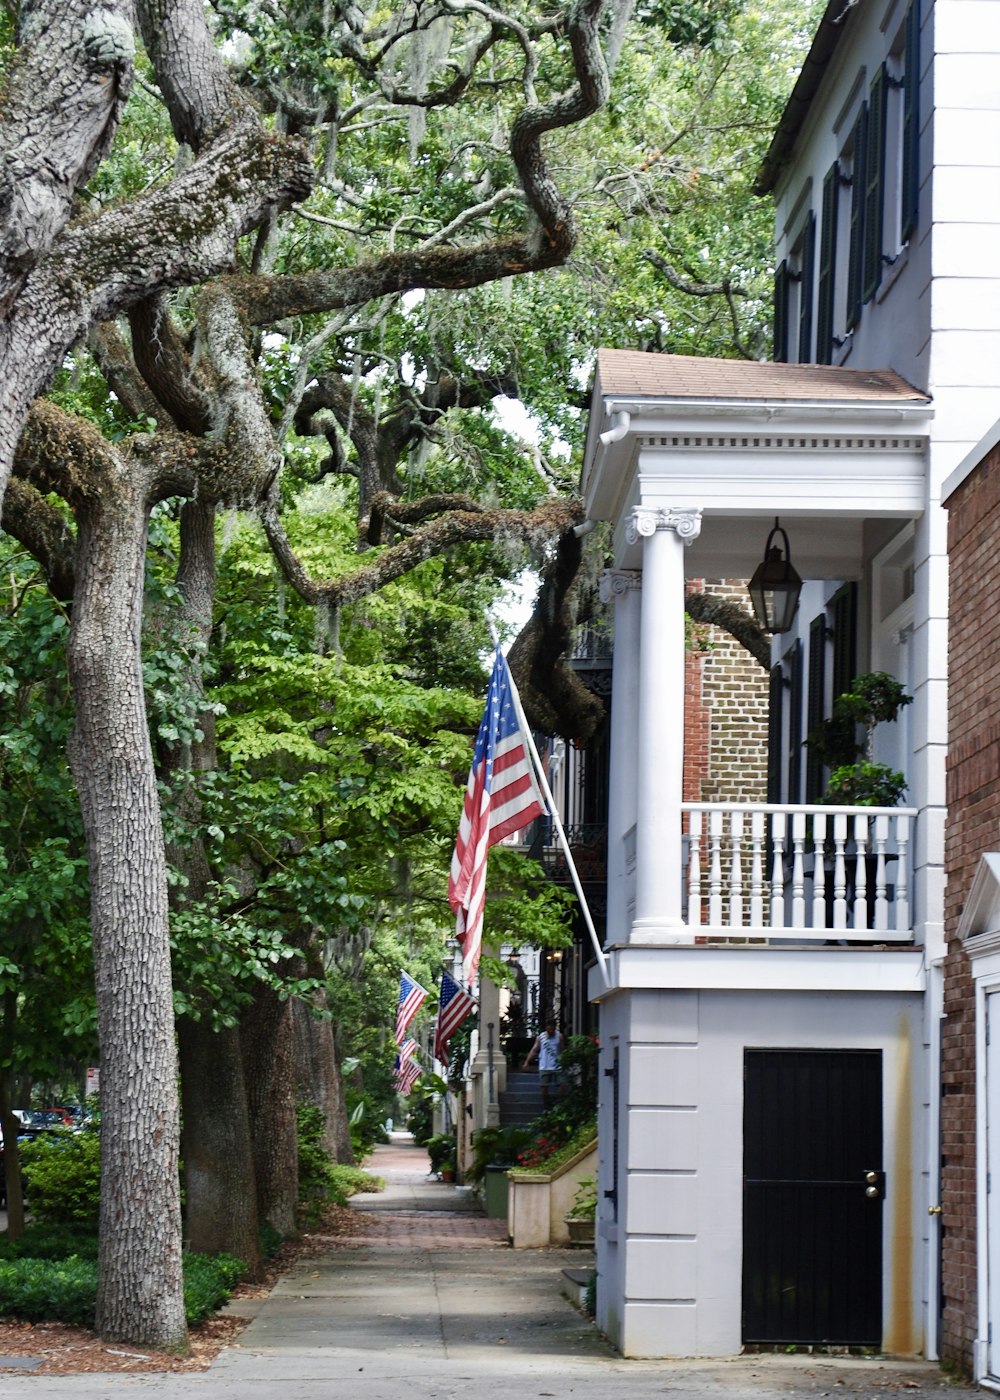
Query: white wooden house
column 771, row 1031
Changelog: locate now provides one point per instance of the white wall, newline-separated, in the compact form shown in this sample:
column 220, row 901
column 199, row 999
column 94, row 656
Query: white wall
column 681, row 1152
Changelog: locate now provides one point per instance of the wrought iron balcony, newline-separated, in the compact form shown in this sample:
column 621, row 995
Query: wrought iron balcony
column 588, row 842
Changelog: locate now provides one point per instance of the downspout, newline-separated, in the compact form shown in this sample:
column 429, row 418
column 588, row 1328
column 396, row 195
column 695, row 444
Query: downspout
column 621, row 421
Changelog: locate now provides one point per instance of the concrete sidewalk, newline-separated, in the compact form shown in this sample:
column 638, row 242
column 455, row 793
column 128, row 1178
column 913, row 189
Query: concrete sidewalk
column 427, row 1301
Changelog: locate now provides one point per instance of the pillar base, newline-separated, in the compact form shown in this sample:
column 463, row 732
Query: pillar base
column 660, row 932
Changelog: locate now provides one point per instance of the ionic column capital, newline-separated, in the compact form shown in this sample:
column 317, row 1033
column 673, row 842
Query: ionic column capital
column 615, row 583
column 645, row 521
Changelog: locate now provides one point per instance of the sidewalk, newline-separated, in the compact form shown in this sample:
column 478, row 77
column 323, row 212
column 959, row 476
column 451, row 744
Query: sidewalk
column 426, row 1300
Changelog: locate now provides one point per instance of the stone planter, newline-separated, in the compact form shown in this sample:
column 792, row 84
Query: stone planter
column 539, row 1202
column 581, row 1231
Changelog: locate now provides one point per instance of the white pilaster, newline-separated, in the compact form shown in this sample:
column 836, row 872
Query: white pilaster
column 660, row 734
column 621, row 586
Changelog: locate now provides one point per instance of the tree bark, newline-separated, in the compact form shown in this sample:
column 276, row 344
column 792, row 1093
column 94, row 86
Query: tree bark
column 140, row 1290
column 317, row 1069
column 269, row 1072
column 221, row 1196
column 9, row 1125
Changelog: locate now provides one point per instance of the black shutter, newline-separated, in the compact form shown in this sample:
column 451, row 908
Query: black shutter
column 780, row 340
column 909, row 198
column 775, row 716
column 806, row 290
column 827, row 266
column 815, row 705
column 859, row 143
column 844, row 618
column 795, row 723
column 874, row 185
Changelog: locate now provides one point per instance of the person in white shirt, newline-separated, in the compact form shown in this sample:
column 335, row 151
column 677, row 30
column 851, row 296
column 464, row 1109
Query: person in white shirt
column 547, row 1049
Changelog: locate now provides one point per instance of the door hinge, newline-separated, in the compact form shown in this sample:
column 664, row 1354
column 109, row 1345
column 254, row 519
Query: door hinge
column 989, row 1182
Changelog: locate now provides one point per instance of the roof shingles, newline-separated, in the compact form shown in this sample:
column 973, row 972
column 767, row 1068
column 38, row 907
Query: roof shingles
column 640, row 374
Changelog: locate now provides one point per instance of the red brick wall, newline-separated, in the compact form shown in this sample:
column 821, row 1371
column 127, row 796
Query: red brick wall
column 973, row 827
column 725, row 716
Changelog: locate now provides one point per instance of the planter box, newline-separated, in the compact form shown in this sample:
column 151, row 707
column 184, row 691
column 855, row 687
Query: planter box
column 538, row 1202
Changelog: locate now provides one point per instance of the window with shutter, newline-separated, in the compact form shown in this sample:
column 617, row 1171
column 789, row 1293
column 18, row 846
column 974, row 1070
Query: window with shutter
column 873, row 184
column 780, row 338
column 806, row 276
column 775, row 722
column 859, row 141
column 815, row 705
column 909, row 196
column 795, row 723
column 827, row 265
column 844, row 621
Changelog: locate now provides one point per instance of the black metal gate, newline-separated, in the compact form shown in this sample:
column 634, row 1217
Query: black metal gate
column 813, row 1188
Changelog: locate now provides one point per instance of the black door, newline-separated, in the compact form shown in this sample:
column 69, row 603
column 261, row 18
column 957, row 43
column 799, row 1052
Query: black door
column 812, row 1196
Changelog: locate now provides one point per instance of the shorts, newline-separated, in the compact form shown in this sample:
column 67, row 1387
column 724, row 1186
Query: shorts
column 549, row 1078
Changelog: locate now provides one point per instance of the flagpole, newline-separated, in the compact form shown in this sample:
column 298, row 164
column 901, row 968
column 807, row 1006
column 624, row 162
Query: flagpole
column 543, row 783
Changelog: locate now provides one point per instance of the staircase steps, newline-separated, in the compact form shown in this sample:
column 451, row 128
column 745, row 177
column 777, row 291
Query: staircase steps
column 522, row 1099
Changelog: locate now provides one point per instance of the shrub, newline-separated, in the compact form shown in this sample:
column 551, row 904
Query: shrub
column 322, row 1181
column 63, row 1176
column 442, row 1152
column 351, row 1181
column 45, row 1241
column 497, row 1147
column 65, row 1290
column 48, row 1290
column 209, row 1279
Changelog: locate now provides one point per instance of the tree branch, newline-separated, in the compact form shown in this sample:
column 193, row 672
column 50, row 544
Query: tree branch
column 731, row 618
column 536, row 528
column 62, row 104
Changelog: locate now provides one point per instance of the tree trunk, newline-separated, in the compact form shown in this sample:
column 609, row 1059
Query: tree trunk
column 221, row 1197
column 266, row 1041
column 140, row 1293
column 317, row 1070
column 9, row 1125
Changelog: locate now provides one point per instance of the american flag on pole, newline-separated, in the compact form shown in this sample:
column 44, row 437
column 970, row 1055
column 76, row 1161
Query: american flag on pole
column 408, row 1068
column 502, row 796
column 411, row 997
column 454, row 1005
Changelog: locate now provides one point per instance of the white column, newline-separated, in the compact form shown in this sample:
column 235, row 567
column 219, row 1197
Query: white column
column 621, row 586
column 660, row 735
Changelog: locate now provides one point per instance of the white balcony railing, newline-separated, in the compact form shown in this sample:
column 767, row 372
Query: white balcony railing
column 755, row 870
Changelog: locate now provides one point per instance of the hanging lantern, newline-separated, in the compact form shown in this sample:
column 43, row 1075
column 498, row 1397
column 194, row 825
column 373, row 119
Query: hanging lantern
column 775, row 587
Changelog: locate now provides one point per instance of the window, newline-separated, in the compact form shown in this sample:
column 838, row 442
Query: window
column 910, row 154
column 793, row 296
column 854, row 154
column 874, row 186
column 827, row 287
column 807, row 260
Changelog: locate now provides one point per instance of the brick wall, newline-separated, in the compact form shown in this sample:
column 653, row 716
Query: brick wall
column 725, row 718
column 973, row 827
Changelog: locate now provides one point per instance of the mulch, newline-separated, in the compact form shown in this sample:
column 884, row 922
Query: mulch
column 62, row 1350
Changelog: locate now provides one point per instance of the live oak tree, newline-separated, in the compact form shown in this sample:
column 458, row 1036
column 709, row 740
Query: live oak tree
column 64, row 274
column 325, row 201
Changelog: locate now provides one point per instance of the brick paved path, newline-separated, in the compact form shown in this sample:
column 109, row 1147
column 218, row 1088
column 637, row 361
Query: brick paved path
column 416, row 1211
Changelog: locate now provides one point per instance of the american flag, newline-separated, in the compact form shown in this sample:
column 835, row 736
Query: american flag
column 502, row 796
column 408, row 1067
column 454, row 1005
column 411, row 997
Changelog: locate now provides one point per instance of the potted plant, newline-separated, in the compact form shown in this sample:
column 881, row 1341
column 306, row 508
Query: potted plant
column 856, row 780
column 441, row 1150
column 583, row 1212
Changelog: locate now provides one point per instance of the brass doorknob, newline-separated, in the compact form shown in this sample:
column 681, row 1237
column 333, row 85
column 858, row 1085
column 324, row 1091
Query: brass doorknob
column 933, row 1210
column 871, row 1178
column 872, row 1193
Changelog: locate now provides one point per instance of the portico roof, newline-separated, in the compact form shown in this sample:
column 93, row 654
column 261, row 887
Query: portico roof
column 826, row 445
column 639, row 374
